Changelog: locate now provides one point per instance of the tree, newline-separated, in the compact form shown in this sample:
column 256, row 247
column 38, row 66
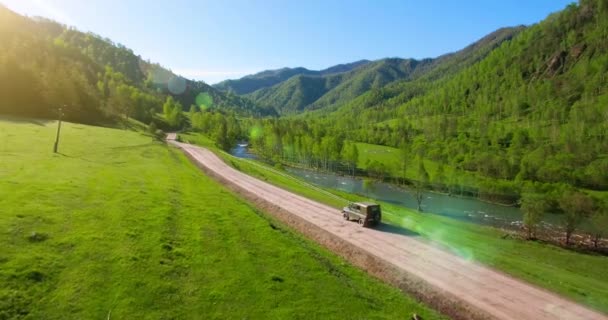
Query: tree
column 350, row 154
column 599, row 224
column 168, row 106
column 576, row 206
column 420, row 183
column 193, row 110
column 418, row 194
column 172, row 111
column 221, row 134
column 176, row 117
column 152, row 127
column 376, row 169
column 439, row 178
column 423, row 175
column 533, row 206
column 368, row 186
column 404, row 156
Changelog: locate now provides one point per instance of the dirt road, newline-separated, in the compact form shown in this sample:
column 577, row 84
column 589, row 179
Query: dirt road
column 495, row 294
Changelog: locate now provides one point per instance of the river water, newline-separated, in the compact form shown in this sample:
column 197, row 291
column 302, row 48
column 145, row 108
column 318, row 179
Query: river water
column 468, row 209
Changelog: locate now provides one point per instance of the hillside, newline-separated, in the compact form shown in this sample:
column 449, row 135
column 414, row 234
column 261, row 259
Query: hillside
column 307, row 91
column 45, row 65
column 529, row 116
column 303, row 92
column 124, row 227
column 270, row 78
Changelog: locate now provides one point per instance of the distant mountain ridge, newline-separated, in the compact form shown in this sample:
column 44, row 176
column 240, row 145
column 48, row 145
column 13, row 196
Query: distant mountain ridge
column 268, row 78
column 303, row 92
column 296, row 90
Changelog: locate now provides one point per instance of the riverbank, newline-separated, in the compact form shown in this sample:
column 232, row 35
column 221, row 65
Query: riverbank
column 466, row 192
column 465, row 208
column 573, row 274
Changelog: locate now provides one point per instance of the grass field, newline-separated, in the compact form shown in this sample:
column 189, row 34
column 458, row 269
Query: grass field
column 389, row 156
column 117, row 226
column 581, row 277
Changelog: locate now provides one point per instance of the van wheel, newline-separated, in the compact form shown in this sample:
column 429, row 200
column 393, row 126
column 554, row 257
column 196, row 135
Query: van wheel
column 361, row 222
column 345, row 215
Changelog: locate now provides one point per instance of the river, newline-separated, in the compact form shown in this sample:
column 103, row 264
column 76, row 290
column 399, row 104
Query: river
column 468, row 209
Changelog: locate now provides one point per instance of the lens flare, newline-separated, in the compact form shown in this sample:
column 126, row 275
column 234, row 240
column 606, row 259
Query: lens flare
column 159, row 76
column 465, row 253
column 255, row 132
column 204, row 100
column 177, row 85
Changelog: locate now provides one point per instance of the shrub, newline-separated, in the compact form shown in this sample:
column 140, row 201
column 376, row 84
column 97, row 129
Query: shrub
column 37, row 237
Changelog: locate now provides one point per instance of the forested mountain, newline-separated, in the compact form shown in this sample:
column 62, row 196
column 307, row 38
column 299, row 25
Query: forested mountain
column 310, row 91
column 301, row 92
column 44, row 65
column 531, row 114
column 269, row 78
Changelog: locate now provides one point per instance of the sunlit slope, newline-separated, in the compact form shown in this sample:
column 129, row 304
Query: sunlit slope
column 535, row 109
column 118, row 226
column 45, row 65
column 292, row 91
column 578, row 276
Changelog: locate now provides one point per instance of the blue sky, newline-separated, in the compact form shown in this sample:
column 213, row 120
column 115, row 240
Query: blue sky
column 216, row 40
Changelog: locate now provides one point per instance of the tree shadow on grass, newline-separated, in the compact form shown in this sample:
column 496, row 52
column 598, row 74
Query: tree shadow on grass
column 14, row 119
column 115, row 163
column 384, row 227
column 142, row 145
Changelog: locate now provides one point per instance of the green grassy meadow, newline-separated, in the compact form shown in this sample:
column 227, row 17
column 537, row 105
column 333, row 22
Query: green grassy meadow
column 391, row 158
column 117, row 226
column 581, row 277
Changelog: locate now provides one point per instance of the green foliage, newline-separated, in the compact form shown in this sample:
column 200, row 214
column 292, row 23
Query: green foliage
column 350, row 155
column 599, row 223
column 45, row 65
column 368, row 186
column 521, row 106
column 125, row 228
column 291, row 91
column 576, row 207
column 224, row 129
column 270, row 78
column 153, row 130
column 542, row 264
column 173, row 113
column 533, row 207
column 315, row 91
column 423, row 175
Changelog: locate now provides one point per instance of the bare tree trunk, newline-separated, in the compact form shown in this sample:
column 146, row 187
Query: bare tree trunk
column 419, row 198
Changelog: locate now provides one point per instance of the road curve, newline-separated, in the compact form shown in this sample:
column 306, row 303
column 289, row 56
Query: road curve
column 494, row 293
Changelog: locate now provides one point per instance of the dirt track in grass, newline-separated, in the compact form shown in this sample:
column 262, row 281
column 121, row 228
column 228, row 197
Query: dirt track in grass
column 459, row 288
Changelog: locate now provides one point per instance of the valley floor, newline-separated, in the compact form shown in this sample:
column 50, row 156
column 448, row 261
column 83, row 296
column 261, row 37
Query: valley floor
column 578, row 276
column 117, row 226
column 381, row 249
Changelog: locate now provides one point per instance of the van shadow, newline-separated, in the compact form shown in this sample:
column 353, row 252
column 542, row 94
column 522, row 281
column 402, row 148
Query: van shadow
column 396, row 229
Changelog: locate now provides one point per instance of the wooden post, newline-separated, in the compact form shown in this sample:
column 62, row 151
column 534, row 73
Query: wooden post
column 58, row 131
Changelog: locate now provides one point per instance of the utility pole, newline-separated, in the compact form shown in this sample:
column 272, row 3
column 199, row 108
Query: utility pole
column 58, row 130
